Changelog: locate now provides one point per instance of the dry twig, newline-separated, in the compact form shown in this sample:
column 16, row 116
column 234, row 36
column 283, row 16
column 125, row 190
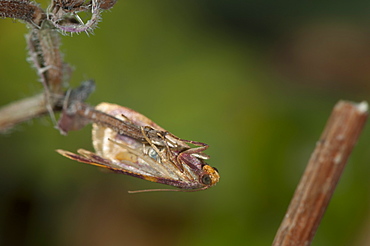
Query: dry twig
column 321, row 176
column 22, row 110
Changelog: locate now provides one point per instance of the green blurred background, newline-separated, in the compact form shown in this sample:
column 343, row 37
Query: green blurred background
column 256, row 80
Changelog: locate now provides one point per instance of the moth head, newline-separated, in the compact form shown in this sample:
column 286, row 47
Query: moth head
column 210, row 176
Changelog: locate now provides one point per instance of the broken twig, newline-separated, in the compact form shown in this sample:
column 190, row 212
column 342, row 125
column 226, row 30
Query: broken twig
column 322, row 173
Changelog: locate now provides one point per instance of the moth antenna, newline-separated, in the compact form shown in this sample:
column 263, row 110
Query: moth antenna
column 66, row 99
column 149, row 190
column 52, row 115
column 155, row 190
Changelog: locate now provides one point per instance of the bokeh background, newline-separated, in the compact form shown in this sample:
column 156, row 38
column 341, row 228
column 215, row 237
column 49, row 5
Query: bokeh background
column 256, row 80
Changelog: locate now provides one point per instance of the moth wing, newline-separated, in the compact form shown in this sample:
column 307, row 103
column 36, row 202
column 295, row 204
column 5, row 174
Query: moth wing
column 91, row 158
column 86, row 157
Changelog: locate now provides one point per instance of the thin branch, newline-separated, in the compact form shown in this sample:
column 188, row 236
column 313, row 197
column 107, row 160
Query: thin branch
column 22, row 110
column 321, row 176
column 28, row 108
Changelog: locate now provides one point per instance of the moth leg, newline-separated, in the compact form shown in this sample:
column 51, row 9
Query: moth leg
column 197, row 151
column 176, row 146
column 168, row 152
column 150, row 142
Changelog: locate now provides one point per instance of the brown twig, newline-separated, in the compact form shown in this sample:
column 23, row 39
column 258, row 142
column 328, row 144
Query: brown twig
column 22, row 110
column 323, row 171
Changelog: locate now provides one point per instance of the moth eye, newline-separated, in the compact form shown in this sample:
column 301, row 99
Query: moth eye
column 206, row 179
column 153, row 154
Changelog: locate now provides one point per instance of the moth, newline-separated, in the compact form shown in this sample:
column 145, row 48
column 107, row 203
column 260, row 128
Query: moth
column 144, row 150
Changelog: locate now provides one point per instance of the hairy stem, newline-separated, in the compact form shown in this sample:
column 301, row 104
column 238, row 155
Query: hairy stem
column 43, row 43
column 44, row 50
column 22, row 10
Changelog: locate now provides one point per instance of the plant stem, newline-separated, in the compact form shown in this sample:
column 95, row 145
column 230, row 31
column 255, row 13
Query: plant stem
column 322, row 173
column 22, row 110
